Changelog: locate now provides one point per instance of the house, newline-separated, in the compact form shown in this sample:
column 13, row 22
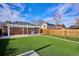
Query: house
column 18, row 28
column 74, row 27
column 60, row 26
column 52, row 26
column 43, row 26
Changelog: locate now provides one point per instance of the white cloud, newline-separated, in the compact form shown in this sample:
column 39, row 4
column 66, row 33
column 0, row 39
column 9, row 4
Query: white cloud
column 64, row 7
column 6, row 13
column 68, row 22
column 21, row 6
column 50, row 19
column 50, row 10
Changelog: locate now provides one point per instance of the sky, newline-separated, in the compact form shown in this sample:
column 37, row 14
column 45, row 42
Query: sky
column 29, row 12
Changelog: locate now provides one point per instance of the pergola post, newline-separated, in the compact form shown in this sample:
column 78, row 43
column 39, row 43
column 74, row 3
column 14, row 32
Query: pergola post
column 33, row 31
column 23, row 30
column 27, row 29
column 8, row 29
column 39, row 30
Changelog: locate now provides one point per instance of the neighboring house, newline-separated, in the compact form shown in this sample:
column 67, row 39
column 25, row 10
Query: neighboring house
column 74, row 27
column 43, row 26
column 52, row 26
column 60, row 26
column 18, row 28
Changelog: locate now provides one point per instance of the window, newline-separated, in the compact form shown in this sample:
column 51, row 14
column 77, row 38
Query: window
column 44, row 26
column 10, row 29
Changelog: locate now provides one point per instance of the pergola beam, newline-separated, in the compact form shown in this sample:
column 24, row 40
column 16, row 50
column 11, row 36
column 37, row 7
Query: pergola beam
column 22, row 26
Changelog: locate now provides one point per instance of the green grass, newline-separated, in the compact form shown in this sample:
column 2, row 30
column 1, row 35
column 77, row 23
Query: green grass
column 44, row 46
column 73, row 38
column 67, row 37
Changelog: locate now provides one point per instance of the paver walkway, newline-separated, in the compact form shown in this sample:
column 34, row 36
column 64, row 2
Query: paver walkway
column 29, row 53
column 16, row 36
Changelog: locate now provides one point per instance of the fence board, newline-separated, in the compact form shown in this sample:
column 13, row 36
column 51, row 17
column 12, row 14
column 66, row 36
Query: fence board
column 64, row 32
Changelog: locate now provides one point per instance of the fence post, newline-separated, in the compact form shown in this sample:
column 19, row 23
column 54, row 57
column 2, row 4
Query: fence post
column 64, row 30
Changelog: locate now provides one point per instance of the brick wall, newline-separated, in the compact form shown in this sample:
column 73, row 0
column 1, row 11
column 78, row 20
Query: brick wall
column 19, row 31
column 29, row 30
column 25, row 30
column 16, row 31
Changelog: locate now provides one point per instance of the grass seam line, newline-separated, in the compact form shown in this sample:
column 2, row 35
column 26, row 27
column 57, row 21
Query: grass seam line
column 61, row 39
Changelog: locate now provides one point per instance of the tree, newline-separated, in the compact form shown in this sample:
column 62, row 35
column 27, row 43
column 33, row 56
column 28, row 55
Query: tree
column 57, row 17
column 77, row 22
column 40, row 21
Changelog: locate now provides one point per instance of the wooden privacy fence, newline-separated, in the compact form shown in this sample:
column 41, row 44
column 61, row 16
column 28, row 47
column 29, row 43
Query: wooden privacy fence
column 63, row 32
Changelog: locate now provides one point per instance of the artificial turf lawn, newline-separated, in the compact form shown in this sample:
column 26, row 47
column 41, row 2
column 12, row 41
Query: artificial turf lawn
column 67, row 37
column 44, row 46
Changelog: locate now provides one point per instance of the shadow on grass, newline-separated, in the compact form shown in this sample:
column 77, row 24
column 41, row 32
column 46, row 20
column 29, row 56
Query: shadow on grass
column 4, row 50
column 43, row 47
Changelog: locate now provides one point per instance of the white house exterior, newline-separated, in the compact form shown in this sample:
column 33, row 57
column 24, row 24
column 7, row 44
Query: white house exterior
column 44, row 26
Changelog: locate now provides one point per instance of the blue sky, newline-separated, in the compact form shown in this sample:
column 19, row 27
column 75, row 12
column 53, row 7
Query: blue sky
column 40, row 11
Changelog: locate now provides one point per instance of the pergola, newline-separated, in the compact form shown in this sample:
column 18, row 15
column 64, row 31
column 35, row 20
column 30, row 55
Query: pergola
column 20, row 26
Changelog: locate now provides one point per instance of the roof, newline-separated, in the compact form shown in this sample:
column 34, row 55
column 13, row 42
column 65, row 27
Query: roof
column 20, row 23
column 50, row 24
column 53, row 26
